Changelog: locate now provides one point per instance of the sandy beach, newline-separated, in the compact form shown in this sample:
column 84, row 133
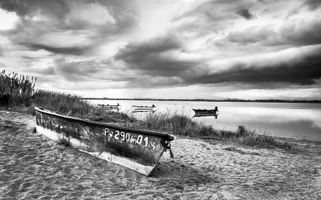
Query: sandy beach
column 34, row 167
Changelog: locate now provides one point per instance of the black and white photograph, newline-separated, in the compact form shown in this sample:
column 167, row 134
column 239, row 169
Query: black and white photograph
column 160, row 99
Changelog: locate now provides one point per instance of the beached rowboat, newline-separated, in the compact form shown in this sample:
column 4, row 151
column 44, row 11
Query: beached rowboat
column 136, row 149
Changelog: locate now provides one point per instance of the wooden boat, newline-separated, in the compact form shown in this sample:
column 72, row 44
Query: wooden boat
column 135, row 149
column 205, row 112
column 110, row 107
column 144, row 108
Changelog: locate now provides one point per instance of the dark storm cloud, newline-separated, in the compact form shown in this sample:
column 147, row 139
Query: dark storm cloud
column 304, row 33
column 245, row 13
column 90, row 70
column 123, row 12
column 76, row 50
column 293, row 33
column 29, row 7
column 303, row 75
column 150, row 57
column 304, row 71
column 313, row 4
column 63, row 17
column 211, row 16
column 76, row 70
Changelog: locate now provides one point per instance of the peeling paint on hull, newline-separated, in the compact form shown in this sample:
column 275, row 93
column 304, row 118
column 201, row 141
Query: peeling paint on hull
column 134, row 149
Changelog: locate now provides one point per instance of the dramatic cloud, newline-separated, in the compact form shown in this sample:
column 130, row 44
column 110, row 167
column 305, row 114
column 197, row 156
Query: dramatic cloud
column 156, row 57
column 313, row 4
column 293, row 32
column 300, row 66
column 59, row 50
column 245, row 13
column 89, row 70
column 23, row 8
column 206, row 48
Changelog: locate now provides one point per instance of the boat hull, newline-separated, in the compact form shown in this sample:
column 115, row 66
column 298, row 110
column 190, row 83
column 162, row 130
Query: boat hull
column 134, row 149
column 144, row 108
column 205, row 113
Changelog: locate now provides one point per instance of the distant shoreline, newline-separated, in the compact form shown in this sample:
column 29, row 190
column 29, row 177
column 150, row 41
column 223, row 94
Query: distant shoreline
column 211, row 100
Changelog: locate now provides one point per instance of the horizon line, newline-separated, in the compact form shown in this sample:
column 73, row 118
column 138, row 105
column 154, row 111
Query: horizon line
column 196, row 99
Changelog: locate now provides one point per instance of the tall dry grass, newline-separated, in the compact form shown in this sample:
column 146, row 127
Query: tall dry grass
column 180, row 124
column 16, row 90
column 74, row 105
column 61, row 102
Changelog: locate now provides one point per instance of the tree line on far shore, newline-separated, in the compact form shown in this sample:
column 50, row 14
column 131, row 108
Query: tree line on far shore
column 211, row 100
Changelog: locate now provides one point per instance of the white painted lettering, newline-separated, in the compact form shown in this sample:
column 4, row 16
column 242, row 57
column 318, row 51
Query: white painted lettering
column 139, row 139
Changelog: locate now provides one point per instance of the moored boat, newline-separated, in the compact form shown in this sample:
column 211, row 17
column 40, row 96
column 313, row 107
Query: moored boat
column 144, row 108
column 135, row 149
column 110, row 107
column 205, row 112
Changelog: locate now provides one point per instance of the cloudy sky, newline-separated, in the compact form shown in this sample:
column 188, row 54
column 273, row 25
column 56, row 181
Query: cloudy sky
column 248, row 49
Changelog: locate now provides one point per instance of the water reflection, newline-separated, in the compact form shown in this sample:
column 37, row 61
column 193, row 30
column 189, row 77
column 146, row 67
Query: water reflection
column 295, row 120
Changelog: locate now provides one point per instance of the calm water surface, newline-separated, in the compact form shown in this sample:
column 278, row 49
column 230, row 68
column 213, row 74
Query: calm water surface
column 295, row 120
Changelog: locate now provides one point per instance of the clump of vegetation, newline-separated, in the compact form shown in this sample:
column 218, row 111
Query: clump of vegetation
column 16, row 90
column 102, row 115
column 179, row 124
column 74, row 105
column 64, row 142
column 164, row 122
column 62, row 103
column 251, row 138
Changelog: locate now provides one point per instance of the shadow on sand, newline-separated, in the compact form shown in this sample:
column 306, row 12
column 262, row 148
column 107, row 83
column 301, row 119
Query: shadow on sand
column 177, row 175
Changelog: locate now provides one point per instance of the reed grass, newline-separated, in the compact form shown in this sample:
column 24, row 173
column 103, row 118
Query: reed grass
column 16, row 90
column 180, row 124
column 62, row 103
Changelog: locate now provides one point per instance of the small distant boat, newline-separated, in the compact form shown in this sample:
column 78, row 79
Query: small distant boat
column 205, row 112
column 144, row 108
column 135, row 149
column 110, row 107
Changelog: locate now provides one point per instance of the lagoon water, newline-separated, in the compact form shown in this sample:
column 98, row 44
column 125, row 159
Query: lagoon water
column 294, row 120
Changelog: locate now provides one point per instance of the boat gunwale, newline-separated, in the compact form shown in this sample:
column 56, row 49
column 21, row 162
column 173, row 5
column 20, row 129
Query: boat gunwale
column 151, row 107
column 205, row 110
column 165, row 136
column 107, row 105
